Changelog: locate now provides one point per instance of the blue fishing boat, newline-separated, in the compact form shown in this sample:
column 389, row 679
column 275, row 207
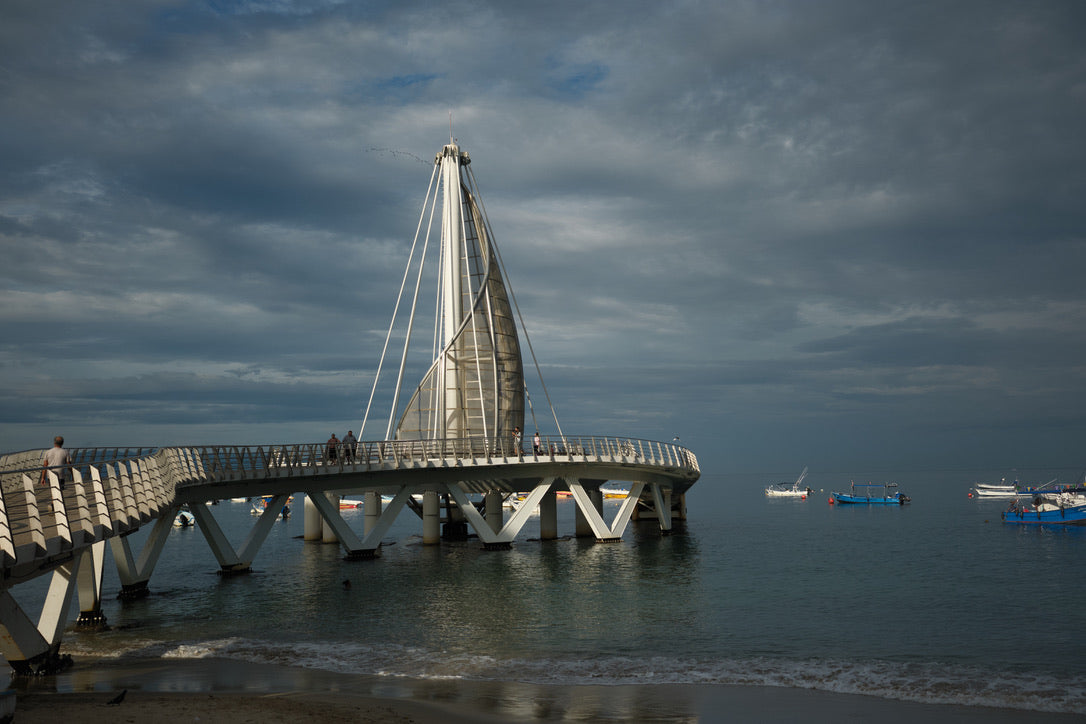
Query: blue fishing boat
column 871, row 494
column 1064, row 508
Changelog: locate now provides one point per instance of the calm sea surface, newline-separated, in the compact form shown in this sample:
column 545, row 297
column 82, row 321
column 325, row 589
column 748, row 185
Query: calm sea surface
column 936, row 601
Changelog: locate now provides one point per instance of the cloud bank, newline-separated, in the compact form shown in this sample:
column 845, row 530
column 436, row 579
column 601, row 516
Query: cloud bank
column 835, row 234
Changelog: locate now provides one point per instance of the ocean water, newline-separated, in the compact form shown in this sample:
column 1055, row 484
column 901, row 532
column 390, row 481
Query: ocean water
column 937, row 601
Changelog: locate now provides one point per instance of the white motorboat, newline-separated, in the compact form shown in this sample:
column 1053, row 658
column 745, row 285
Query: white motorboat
column 790, row 490
column 991, row 490
column 513, row 503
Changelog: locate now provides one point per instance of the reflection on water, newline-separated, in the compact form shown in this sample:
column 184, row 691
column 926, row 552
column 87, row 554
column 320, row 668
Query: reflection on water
column 571, row 596
column 503, row 700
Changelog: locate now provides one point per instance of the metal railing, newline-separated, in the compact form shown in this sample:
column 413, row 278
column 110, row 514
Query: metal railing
column 46, row 514
column 195, row 464
column 220, row 463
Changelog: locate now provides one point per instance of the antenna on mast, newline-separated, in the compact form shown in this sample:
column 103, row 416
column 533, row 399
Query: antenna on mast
column 450, row 128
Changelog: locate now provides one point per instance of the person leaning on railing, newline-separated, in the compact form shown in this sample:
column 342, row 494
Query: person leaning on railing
column 349, row 444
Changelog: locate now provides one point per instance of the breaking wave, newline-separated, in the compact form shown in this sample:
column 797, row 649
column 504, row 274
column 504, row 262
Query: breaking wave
column 927, row 682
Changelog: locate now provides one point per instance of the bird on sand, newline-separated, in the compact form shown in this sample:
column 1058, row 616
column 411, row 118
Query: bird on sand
column 117, row 699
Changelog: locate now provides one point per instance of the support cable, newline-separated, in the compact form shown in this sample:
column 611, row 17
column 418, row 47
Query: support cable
column 395, row 310
column 411, row 319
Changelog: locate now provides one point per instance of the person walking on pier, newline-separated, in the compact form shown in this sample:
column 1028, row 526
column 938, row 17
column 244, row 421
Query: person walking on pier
column 536, row 444
column 330, row 451
column 348, row 447
column 56, row 457
column 516, row 441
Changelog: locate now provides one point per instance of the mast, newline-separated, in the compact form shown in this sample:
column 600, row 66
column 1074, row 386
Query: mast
column 452, row 257
column 475, row 384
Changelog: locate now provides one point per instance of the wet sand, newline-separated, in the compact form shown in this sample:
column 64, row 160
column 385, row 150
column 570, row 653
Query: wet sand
column 237, row 692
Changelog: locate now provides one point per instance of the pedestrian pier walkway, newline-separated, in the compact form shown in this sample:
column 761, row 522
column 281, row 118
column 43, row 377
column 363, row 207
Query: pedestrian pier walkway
column 452, row 454
column 112, row 492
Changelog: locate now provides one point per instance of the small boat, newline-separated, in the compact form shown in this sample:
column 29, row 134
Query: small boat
column 1003, row 490
column 514, row 503
column 790, row 490
column 260, row 504
column 1063, row 508
column 1052, row 487
column 872, row 494
column 184, row 519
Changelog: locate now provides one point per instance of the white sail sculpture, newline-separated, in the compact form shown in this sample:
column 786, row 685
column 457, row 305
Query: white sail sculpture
column 474, row 387
column 454, row 436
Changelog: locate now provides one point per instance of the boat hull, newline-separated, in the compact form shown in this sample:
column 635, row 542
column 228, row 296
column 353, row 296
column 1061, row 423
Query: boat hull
column 846, row 499
column 772, row 493
column 1074, row 515
column 995, row 491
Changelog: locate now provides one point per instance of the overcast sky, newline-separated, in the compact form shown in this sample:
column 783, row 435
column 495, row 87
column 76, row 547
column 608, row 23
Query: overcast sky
column 836, row 234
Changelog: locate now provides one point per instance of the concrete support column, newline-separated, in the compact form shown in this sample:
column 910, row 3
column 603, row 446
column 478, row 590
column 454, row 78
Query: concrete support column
column 89, row 588
column 494, row 510
column 456, row 525
column 312, row 530
column 431, row 518
column 134, row 591
column 597, row 499
column 372, row 505
column 581, row 526
column 584, row 528
column 548, row 516
column 328, row 535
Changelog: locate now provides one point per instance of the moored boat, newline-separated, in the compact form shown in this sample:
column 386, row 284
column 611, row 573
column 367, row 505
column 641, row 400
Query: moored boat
column 1052, row 487
column 790, row 490
column 992, row 490
column 260, row 504
column 614, row 493
column 1064, row 508
column 871, row 494
column 514, row 502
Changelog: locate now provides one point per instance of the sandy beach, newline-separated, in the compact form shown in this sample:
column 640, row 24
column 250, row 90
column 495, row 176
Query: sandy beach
column 231, row 691
column 267, row 709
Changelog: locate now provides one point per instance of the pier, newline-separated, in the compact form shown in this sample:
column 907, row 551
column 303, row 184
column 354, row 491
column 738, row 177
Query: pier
column 452, row 454
column 111, row 493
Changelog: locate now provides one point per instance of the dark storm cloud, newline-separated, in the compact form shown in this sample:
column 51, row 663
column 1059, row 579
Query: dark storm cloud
column 787, row 232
